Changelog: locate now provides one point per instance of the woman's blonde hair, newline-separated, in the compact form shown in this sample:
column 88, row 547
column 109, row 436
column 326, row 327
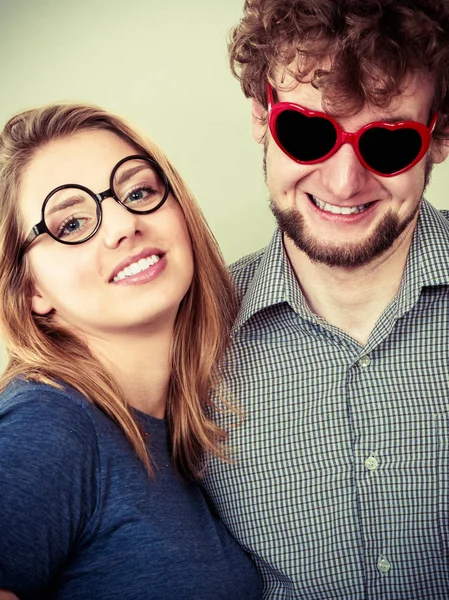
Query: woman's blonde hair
column 39, row 349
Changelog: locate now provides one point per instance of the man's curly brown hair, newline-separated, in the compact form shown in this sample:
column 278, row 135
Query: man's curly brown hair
column 372, row 46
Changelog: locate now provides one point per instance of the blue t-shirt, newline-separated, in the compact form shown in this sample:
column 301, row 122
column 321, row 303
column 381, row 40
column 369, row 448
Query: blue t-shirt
column 81, row 519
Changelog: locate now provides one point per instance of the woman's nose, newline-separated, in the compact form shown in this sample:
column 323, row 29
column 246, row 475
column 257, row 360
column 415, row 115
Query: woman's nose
column 118, row 223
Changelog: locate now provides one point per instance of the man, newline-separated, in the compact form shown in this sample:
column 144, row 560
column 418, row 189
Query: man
column 340, row 484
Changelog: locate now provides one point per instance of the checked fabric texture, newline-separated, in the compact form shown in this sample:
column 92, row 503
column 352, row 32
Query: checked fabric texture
column 340, row 484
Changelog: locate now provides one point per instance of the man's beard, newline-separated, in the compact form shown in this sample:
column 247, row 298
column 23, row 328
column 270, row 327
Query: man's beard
column 349, row 255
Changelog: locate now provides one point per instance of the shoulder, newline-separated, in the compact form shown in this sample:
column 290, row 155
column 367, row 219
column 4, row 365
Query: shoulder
column 50, row 477
column 431, row 216
column 243, row 270
column 48, row 443
column 49, row 418
column 22, row 390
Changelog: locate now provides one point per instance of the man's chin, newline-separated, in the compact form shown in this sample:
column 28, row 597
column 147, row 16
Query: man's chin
column 338, row 256
column 345, row 256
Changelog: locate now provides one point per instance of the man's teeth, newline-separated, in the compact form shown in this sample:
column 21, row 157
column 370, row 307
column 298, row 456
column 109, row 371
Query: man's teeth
column 141, row 265
column 339, row 210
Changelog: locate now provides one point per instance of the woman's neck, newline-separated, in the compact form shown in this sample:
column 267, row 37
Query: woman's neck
column 141, row 365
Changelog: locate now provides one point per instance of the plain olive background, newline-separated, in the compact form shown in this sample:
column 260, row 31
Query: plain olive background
column 164, row 66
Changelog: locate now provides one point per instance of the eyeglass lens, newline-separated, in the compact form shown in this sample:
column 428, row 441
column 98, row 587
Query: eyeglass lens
column 389, row 151
column 311, row 138
column 305, row 138
column 72, row 214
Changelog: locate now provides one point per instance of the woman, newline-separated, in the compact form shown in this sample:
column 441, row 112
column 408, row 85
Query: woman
column 115, row 308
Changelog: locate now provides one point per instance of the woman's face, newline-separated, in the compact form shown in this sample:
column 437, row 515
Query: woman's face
column 86, row 285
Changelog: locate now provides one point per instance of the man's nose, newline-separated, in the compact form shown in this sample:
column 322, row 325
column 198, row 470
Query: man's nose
column 343, row 175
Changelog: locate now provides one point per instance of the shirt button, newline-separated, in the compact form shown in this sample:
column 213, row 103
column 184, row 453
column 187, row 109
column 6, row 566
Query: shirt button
column 365, row 361
column 383, row 565
column 371, row 463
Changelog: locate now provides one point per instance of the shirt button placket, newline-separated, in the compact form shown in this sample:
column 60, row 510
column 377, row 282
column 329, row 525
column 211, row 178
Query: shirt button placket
column 383, row 564
column 364, row 361
column 371, row 463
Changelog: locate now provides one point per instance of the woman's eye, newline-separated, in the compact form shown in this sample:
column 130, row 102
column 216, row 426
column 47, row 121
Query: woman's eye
column 143, row 194
column 72, row 226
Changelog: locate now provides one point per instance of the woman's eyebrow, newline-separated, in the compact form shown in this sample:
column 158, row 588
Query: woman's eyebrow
column 130, row 172
column 67, row 203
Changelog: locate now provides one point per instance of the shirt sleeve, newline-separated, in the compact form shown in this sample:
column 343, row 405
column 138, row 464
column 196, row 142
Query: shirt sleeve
column 49, row 473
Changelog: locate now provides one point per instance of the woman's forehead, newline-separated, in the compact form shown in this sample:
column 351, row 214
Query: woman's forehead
column 86, row 158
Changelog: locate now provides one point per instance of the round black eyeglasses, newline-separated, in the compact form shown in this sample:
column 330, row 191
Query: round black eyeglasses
column 71, row 213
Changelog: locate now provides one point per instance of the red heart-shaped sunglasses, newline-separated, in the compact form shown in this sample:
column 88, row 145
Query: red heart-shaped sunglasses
column 309, row 137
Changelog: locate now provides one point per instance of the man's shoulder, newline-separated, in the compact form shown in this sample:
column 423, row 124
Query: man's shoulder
column 434, row 225
column 243, row 270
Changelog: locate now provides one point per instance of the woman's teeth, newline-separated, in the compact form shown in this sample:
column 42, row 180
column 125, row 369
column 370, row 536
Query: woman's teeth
column 339, row 210
column 141, row 265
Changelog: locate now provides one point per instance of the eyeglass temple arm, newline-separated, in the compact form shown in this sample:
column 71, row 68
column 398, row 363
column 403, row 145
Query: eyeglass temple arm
column 270, row 97
column 433, row 122
column 37, row 230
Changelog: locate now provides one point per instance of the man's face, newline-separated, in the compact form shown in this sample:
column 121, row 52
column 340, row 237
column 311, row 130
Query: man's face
column 306, row 199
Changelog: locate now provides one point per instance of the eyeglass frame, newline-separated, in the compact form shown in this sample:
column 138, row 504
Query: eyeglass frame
column 41, row 227
column 276, row 107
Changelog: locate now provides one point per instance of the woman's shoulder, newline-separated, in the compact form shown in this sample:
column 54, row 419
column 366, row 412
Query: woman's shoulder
column 32, row 406
column 50, row 477
column 22, row 391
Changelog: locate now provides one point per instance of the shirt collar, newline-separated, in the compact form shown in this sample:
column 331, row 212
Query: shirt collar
column 428, row 259
column 274, row 283
column 427, row 265
column 430, row 247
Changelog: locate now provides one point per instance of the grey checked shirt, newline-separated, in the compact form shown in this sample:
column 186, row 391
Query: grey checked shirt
column 340, row 488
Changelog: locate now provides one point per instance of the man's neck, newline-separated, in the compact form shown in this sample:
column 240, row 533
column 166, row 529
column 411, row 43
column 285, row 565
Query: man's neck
column 351, row 299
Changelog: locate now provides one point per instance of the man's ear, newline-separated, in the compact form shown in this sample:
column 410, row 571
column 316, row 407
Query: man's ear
column 258, row 121
column 39, row 304
column 440, row 148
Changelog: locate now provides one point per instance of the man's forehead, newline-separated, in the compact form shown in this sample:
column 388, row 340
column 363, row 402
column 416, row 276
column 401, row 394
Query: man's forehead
column 414, row 97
